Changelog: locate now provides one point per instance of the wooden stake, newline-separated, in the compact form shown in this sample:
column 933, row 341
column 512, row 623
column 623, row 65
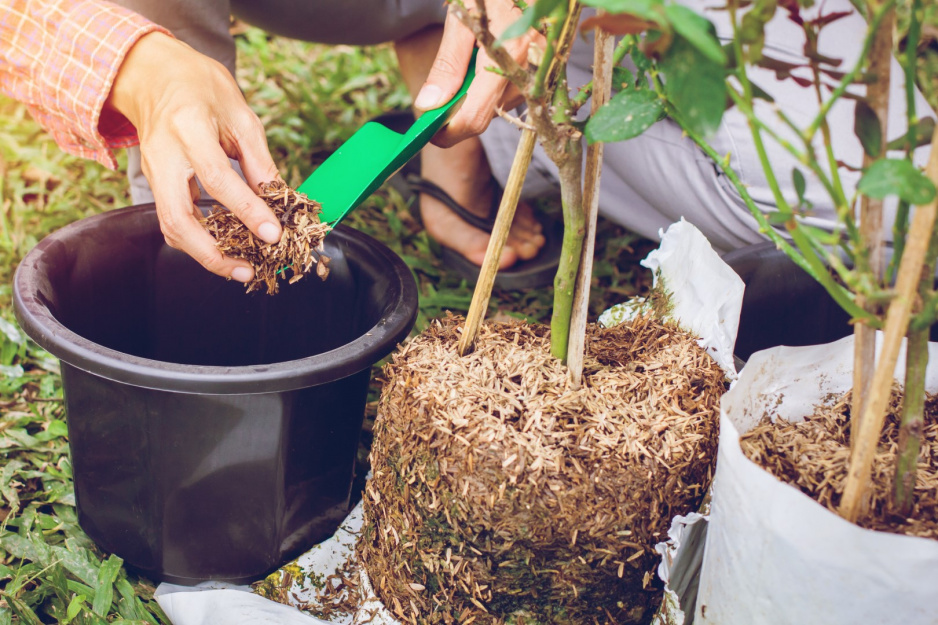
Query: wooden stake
column 493, row 253
column 858, row 484
column 871, row 224
column 602, row 89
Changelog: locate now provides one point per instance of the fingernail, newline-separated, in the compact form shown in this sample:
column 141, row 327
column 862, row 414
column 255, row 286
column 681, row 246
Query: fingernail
column 242, row 274
column 269, row 232
column 428, row 98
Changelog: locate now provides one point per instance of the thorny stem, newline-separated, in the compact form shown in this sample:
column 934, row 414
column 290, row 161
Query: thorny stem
column 560, row 139
column 913, row 406
column 478, row 24
column 912, row 421
column 807, row 254
column 851, row 76
column 840, row 295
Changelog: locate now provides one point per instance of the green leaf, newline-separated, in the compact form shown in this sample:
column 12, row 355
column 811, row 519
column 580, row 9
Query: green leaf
column 77, row 565
column 6, row 618
column 529, row 18
column 645, row 9
column 698, row 31
column 695, row 86
column 798, row 180
column 74, row 607
column 628, row 114
column 104, row 589
column 17, row 546
column 21, row 610
column 6, row 487
column 867, row 128
column 622, row 78
column 897, row 177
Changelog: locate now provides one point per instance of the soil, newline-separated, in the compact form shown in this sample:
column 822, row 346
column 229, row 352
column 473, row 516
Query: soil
column 298, row 251
column 502, row 495
column 812, row 455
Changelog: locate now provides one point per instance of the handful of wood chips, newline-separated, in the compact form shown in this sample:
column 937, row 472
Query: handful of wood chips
column 298, row 251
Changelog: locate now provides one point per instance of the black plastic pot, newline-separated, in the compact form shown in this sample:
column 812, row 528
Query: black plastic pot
column 212, row 433
column 783, row 305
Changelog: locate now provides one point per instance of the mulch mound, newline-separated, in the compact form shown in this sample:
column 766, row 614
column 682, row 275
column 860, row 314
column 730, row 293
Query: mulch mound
column 498, row 492
column 813, row 455
column 299, row 249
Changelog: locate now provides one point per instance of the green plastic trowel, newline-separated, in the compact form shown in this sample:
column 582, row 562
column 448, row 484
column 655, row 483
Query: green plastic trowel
column 372, row 155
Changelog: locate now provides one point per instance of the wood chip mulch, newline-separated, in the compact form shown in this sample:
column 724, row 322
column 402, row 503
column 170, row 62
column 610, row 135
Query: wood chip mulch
column 813, row 455
column 299, row 250
column 500, row 494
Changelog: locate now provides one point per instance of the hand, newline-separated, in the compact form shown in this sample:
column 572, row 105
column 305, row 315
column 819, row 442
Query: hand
column 191, row 117
column 489, row 90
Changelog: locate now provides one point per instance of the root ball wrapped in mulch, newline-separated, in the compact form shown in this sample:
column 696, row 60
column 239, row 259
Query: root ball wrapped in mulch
column 813, row 456
column 298, row 251
column 498, row 492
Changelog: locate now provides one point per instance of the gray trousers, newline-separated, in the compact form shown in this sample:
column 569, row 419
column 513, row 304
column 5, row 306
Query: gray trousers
column 648, row 182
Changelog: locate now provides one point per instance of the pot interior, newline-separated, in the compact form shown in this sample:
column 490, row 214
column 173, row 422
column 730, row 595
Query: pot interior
column 118, row 284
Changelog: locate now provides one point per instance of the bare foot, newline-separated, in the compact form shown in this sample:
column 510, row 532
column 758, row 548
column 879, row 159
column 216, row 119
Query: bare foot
column 463, row 172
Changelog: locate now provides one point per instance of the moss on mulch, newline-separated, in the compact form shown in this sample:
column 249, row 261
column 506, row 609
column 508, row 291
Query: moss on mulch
column 501, row 494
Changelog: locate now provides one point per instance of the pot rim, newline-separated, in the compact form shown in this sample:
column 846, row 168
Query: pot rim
column 34, row 316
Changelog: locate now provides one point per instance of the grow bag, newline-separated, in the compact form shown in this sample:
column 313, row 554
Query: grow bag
column 773, row 554
column 213, row 433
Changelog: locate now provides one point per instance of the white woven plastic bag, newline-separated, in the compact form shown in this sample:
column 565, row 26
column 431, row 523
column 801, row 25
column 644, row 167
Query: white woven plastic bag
column 774, row 555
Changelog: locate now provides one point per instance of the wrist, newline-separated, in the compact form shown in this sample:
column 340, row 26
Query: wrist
column 136, row 73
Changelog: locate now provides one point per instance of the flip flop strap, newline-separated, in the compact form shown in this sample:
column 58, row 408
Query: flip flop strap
column 421, row 185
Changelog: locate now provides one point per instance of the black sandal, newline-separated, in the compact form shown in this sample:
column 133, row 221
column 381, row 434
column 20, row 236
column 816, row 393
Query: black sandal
column 527, row 274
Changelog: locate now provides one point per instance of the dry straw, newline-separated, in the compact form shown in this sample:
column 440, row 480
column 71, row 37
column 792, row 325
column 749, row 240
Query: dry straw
column 499, row 492
column 298, row 251
column 812, row 456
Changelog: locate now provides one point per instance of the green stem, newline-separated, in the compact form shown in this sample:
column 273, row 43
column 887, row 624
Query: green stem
column 912, row 421
column 583, row 93
column 571, row 193
column 851, row 76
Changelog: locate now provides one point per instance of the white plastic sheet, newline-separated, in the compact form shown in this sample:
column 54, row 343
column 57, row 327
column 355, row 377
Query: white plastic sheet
column 707, row 298
column 775, row 556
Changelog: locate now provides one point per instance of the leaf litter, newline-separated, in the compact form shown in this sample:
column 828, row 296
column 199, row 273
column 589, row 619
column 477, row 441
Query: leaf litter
column 300, row 248
column 812, row 455
column 500, row 494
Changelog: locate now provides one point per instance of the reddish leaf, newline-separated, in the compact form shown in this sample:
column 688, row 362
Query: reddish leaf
column 618, row 24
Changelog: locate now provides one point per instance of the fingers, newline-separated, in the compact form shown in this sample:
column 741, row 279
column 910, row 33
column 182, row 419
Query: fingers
column 248, row 143
column 489, row 90
column 449, row 67
column 173, row 190
column 211, row 164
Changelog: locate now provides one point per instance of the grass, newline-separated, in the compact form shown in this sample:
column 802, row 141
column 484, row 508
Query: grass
column 310, row 99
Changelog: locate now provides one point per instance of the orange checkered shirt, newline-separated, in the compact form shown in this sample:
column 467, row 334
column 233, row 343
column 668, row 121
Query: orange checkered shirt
column 60, row 57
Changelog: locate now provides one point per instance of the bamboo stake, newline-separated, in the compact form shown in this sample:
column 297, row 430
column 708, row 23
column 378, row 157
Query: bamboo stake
column 493, row 253
column 897, row 323
column 604, row 45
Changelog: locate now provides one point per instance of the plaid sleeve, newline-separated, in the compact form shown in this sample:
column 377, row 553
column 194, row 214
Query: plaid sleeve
column 60, row 57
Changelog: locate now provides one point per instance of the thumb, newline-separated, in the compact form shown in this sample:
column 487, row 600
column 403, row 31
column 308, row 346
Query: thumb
column 449, row 67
